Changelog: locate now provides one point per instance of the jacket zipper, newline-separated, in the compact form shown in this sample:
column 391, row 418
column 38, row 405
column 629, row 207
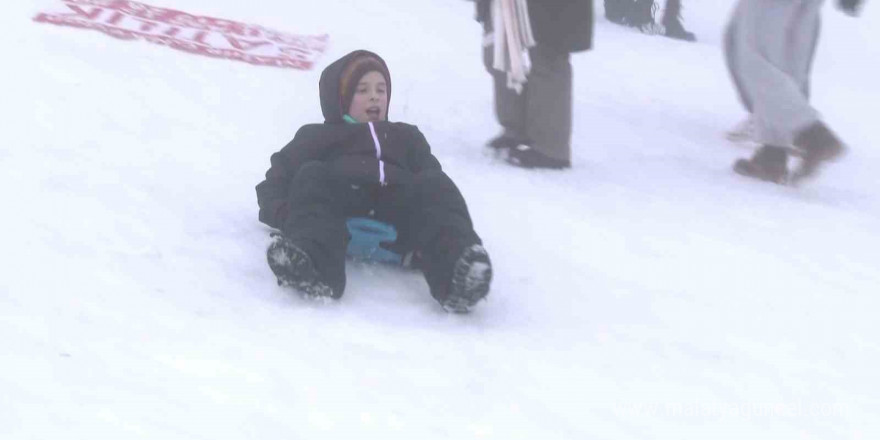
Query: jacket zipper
column 378, row 154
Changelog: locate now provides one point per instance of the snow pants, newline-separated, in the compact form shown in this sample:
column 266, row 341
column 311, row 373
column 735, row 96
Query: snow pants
column 672, row 10
column 429, row 213
column 769, row 47
column 540, row 116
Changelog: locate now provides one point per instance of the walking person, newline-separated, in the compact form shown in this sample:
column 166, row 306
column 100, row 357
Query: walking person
column 769, row 48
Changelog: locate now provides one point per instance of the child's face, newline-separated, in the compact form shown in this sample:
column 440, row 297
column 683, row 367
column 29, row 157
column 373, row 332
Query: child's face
column 370, row 100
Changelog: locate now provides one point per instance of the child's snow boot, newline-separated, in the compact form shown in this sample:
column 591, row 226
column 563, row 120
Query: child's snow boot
column 294, row 268
column 471, row 277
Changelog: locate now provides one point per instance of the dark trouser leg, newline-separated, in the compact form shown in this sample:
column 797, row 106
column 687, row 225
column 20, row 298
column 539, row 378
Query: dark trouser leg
column 615, row 10
column 510, row 107
column 316, row 222
column 672, row 22
column 672, row 10
column 431, row 214
column 540, row 116
column 549, row 103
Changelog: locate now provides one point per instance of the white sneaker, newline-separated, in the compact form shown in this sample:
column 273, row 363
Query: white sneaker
column 744, row 132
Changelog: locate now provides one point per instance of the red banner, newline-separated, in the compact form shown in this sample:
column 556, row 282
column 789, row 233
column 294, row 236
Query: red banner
column 214, row 37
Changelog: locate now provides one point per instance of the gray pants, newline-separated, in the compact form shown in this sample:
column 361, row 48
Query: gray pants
column 541, row 115
column 769, row 48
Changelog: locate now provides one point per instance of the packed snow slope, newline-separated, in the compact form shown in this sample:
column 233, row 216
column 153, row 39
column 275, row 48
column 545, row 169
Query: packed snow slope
column 648, row 293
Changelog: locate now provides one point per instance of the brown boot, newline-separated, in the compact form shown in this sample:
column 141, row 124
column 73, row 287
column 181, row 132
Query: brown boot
column 819, row 144
column 769, row 163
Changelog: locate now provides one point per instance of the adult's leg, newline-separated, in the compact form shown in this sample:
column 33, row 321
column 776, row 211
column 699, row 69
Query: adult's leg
column 672, row 22
column 615, row 10
column 549, row 103
column 510, row 107
column 731, row 36
column 776, row 49
column 769, row 49
column 804, row 41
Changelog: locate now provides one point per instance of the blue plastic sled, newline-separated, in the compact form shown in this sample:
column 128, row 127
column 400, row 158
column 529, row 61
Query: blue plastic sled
column 366, row 234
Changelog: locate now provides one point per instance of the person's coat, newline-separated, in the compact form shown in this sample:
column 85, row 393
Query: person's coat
column 563, row 25
column 385, row 153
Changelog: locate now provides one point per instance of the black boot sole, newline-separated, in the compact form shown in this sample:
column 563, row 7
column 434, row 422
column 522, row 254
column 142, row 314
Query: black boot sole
column 471, row 278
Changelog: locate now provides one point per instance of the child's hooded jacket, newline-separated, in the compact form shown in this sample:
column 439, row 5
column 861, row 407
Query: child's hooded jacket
column 385, row 153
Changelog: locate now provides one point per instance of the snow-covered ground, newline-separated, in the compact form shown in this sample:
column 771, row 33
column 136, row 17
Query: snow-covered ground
column 648, row 293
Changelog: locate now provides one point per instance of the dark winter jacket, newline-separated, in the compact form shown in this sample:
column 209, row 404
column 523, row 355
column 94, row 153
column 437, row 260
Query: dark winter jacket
column 563, row 25
column 380, row 152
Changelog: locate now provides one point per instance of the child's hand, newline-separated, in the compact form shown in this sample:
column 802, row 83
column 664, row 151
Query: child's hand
column 850, row 7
